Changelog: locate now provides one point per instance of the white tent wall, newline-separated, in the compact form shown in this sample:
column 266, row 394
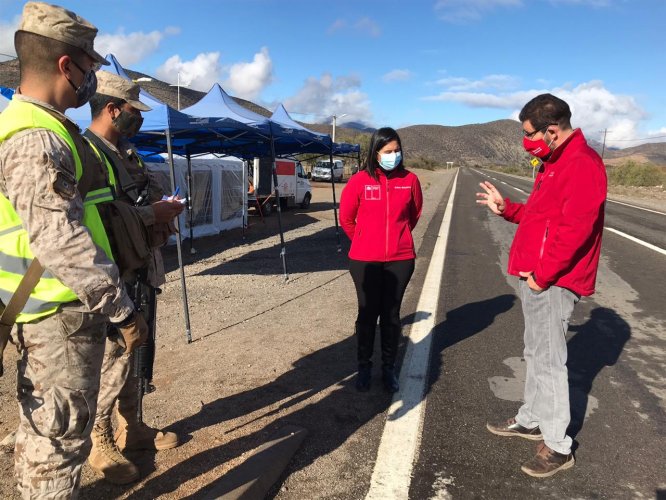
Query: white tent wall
column 217, row 193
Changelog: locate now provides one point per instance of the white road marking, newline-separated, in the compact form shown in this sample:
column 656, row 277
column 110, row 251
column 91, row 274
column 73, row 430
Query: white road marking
column 402, row 433
column 636, row 206
column 636, row 240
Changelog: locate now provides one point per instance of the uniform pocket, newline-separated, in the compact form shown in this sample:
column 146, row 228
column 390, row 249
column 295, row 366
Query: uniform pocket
column 78, row 339
column 57, row 412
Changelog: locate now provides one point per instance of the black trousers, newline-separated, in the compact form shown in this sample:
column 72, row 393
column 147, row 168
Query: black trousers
column 380, row 287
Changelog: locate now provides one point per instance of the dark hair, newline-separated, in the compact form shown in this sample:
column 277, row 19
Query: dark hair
column 38, row 55
column 99, row 101
column 380, row 138
column 544, row 110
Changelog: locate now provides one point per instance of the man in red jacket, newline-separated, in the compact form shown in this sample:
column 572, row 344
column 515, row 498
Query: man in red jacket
column 555, row 252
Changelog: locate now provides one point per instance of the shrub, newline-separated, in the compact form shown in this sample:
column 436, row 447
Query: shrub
column 421, row 162
column 632, row 173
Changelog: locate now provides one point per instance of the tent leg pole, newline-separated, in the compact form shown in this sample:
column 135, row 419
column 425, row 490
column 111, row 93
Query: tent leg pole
column 189, row 203
column 186, row 310
column 244, row 187
column 335, row 208
column 283, row 248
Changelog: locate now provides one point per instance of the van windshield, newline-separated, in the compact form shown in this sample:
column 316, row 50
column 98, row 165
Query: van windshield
column 323, row 164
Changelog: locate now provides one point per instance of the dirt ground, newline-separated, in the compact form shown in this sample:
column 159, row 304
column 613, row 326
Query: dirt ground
column 266, row 352
column 258, row 344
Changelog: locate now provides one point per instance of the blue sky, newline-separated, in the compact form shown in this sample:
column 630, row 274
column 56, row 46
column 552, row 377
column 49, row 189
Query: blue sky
column 398, row 63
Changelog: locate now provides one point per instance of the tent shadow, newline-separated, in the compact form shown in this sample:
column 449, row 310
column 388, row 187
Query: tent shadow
column 328, row 369
column 597, row 343
column 311, row 253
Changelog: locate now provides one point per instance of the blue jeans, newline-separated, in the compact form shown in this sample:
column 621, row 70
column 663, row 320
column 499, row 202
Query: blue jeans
column 546, row 395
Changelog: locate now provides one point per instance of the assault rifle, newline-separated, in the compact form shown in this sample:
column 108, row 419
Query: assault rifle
column 144, row 297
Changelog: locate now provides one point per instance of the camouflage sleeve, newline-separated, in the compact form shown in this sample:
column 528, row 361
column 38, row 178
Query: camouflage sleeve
column 37, row 175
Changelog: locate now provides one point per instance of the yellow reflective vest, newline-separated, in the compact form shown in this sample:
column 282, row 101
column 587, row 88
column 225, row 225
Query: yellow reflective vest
column 15, row 253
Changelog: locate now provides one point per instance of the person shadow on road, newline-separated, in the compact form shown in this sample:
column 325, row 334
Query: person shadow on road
column 597, row 343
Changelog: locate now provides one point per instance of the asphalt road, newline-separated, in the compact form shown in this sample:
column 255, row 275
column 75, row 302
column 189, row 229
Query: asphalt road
column 616, row 364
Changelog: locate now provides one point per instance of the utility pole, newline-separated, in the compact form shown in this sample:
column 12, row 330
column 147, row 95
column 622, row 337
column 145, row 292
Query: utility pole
column 603, row 147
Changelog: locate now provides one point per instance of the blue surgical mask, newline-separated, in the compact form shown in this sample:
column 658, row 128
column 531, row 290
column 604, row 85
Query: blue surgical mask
column 388, row 161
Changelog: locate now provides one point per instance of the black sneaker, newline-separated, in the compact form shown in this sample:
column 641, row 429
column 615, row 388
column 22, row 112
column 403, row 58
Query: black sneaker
column 513, row 428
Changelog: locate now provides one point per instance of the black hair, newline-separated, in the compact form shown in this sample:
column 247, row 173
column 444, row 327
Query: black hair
column 99, row 101
column 38, row 55
column 544, row 110
column 380, row 138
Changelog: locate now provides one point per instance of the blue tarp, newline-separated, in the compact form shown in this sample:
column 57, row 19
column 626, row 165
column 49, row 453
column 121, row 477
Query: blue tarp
column 6, row 93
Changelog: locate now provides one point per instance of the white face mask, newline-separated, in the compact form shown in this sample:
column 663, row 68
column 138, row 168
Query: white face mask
column 388, row 161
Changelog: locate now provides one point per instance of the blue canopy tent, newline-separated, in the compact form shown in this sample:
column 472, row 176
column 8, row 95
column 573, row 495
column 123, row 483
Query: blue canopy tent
column 167, row 130
column 218, row 103
column 281, row 117
column 5, row 96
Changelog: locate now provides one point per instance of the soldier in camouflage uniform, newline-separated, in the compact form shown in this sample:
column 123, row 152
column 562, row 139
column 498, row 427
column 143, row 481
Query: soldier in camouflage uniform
column 62, row 328
column 116, row 115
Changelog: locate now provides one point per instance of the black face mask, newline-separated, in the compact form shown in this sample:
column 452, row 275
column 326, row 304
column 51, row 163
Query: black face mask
column 128, row 124
column 88, row 87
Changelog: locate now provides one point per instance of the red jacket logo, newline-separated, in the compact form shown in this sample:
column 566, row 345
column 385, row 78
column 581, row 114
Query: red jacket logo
column 372, row 192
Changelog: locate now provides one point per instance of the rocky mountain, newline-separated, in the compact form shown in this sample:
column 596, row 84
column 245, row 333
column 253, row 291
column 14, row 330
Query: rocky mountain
column 494, row 143
column 497, row 142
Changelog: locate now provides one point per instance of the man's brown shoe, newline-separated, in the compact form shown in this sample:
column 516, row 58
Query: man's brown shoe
column 547, row 462
column 513, row 428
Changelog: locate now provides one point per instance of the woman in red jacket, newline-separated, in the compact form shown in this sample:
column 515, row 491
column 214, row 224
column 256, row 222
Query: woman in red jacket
column 379, row 208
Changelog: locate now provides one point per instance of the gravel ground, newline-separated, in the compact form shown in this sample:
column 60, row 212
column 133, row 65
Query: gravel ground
column 265, row 353
column 259, row 347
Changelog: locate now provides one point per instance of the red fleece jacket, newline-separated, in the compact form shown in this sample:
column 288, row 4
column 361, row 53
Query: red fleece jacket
column 560, row 225
column 379, row 215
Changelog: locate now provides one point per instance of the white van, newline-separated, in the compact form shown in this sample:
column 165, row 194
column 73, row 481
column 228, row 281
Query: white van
column 322, row 171
column 293, row 184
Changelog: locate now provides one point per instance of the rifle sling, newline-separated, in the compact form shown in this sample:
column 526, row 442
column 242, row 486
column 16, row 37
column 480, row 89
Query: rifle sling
column 17, row 303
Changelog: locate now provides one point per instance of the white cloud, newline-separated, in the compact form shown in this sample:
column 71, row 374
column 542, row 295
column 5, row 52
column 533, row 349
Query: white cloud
column 338, row 24
column 200, row 73
column 593, row 106
column 130, row 48
column 364, row 26
column 248, row 79
column 397, row 75
column 464, row 11
column 368, row 26
column 470, row 10
column 461, row 84
column 593, row 3
column 328, row 96
column 242, row 79
column 7, row 29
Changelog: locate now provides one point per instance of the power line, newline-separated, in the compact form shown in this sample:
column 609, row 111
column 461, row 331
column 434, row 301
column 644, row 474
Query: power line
column 640, row 139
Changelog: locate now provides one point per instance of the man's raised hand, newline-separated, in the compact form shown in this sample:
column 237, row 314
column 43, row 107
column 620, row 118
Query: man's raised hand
column 491, row 198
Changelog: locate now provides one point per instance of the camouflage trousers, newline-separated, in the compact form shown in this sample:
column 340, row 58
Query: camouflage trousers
column 117, row 383
column 57, row 386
